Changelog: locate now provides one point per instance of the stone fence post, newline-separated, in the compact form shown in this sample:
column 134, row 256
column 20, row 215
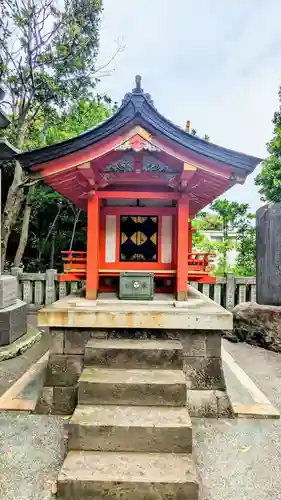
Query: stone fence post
column 50, row 291
column 230, row 291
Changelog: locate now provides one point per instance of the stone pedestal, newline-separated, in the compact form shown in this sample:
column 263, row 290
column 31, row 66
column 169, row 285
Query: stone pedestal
column 269, row 255
column 197, row 324
column 8, row 291
column 13, row 312
column 13, row 322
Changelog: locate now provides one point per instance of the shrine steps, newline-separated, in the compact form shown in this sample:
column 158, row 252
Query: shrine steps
column 132, row 387
column 130, row 436
column 130, row 428
column 134, row 354
column 127, row 476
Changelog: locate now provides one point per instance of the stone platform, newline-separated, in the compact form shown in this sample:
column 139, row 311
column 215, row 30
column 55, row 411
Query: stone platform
column 197, row 323
column 164, row 312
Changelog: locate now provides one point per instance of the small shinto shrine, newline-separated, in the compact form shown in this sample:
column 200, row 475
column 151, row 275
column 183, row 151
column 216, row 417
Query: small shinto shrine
column 131, row 373
column 141, row 179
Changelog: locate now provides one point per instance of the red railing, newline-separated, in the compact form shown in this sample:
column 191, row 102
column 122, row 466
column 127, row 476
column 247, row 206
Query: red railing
column 74, row 262
column 200, row 261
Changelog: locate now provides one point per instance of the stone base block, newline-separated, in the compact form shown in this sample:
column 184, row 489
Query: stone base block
column 204, row 373
column 64, row 369
column 209, row 404
column 13, row 322
column 8, row 291
column 56, row 401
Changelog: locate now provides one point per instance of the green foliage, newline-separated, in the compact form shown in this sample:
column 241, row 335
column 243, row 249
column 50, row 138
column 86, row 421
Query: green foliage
column 246, row 259
column 228, row 217
column 48, row 52
column 269, row 180
column 82, row 116
column 79, row 117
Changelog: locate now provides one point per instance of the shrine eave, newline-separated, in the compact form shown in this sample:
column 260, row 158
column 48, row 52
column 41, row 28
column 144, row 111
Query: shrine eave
column 137, row 109
column 7, row 151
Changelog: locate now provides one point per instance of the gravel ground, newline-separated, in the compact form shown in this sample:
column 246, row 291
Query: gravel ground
column 32, row 450
column 236, row 459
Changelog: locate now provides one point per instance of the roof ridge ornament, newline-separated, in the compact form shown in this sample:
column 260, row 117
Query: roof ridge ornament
column 137, row 89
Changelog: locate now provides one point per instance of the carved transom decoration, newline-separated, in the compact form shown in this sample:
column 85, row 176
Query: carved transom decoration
column 153, row 165
column 122, row 165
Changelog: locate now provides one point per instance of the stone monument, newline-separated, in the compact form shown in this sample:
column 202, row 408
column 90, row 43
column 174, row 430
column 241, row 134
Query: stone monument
column 269, row 255
column 13, row 313
column 259, row 323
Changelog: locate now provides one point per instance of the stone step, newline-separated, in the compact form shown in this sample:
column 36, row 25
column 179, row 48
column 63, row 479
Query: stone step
column 128, row 353
column 130, row 428
column 130, row 476
column 132, row 387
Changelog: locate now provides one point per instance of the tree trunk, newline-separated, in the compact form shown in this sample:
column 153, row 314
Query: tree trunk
column 14, row 199
column 24, row 228
column 50, row 232
column 52, row 255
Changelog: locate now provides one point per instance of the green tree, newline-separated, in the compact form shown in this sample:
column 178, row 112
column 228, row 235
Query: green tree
column 51, row 220
column 228, row 217
column 269, row 180
column 48, row 54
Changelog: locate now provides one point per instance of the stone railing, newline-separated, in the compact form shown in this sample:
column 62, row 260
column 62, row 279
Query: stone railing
column 38, row 289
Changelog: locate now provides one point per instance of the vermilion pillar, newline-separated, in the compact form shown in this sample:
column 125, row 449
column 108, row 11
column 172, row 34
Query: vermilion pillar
column 182, row 249
column 190, row 231
column 93, row 230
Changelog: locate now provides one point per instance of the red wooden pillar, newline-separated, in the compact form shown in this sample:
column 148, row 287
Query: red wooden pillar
column 182, row 249
column 93, row 230
column 190, row 237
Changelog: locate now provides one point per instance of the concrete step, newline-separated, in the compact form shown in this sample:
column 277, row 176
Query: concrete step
column 132, row 387
column 130, row 428
column 130, row 476
column 127, row 353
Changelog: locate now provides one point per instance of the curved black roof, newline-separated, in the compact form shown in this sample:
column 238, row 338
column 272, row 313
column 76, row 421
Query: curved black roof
column 137, row 109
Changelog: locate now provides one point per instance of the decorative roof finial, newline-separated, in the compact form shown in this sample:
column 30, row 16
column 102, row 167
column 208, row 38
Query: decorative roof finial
column 138, row 89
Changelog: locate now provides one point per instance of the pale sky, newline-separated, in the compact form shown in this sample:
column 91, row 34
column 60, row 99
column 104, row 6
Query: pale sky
column 216, row 63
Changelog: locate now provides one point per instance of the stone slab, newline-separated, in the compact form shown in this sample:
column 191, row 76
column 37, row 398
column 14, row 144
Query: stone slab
column 75, row 340
column 256, row 411
column 132, row 387
column 44, row 403
column 57, row 340
column 204, row 373
column 13, row 322
column 8, row 291
column 120, row 353
column 209, row 404
column 127, row 476
column 130, row 428
column 160, row 314
column 64, row 400
column 64, row 370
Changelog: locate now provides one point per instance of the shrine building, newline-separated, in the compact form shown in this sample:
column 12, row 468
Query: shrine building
column 141, row 179
column 130, row 372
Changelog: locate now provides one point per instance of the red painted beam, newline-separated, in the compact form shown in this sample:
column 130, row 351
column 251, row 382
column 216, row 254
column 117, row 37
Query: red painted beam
column 141, row 195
